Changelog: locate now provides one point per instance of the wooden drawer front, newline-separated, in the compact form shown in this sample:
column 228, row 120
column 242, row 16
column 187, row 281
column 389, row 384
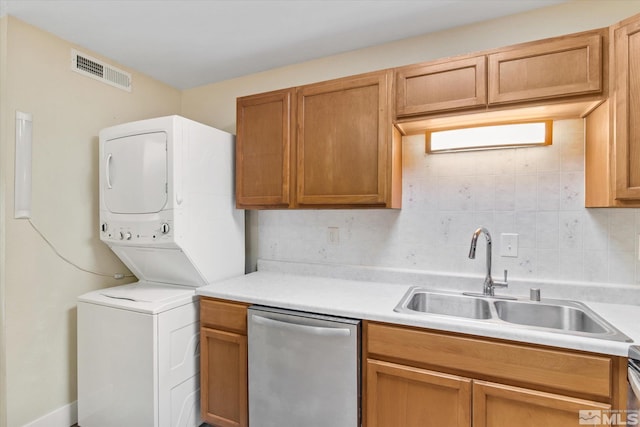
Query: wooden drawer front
column 549, row 69
column 447, row 86
column 582, row 374
column 497, row 405
column 223, row 315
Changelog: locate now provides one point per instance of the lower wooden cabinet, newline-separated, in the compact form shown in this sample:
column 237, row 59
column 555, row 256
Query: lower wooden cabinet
column 415, row 377
column 223, row 357
column 423, row 378
column 400, row 395
column 499, row 405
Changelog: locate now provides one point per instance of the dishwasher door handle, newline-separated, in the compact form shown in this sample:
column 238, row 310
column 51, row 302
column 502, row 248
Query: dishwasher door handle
column 312, row 330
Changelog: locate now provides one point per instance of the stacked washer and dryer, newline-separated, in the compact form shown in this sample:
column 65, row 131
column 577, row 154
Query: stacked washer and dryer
column 167, row 211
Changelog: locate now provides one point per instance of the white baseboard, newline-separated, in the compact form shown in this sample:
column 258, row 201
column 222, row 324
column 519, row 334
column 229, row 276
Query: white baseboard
column 64, row 416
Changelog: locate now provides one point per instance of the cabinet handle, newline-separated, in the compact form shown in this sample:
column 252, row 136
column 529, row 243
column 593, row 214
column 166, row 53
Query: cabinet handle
column 312, row 330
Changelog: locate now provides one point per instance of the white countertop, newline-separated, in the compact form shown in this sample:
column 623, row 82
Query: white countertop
column 370, row 300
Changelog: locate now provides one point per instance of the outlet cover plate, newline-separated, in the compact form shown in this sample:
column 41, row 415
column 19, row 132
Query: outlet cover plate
column 509, row 245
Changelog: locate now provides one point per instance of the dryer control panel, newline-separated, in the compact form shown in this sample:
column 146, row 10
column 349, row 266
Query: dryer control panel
column 137, row 233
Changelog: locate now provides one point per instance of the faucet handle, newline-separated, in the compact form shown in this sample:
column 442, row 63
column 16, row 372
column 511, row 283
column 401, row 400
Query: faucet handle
column 502, row 284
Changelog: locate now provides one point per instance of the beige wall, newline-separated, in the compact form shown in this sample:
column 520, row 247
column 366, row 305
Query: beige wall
column 214, row 104
column 41, row 289
column 38, row 291
column 3, row 126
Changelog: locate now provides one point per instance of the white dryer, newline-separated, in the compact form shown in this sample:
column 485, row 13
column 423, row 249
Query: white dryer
column 167, row 210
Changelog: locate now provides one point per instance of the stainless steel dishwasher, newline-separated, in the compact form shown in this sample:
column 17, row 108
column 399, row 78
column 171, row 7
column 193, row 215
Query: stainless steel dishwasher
column 304, row 369
column 633, row 379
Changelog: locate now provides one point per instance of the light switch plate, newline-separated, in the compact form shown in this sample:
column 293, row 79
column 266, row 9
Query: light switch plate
column 509, row 245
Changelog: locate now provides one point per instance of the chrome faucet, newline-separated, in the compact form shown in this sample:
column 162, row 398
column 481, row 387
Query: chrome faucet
column 489, row 283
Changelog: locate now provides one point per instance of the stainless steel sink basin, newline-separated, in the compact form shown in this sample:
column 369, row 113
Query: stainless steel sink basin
column 446, row 304
column 569, row 316
column 560, row 316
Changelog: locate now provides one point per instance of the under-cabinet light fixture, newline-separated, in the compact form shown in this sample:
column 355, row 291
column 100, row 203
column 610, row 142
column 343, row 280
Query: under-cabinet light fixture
column 489, row 136
column 22, row 187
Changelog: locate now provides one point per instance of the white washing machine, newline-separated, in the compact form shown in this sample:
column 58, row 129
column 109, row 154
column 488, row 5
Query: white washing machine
column 167, row 210
column 138, row 357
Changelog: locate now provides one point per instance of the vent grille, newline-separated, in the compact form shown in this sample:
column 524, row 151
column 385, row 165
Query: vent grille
column 96, row 69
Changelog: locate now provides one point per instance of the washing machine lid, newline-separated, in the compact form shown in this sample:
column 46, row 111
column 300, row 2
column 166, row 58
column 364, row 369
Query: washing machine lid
column 143, row 297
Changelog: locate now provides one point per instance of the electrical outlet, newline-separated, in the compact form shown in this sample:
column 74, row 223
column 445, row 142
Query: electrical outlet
column 333, row 235
column 509, row 245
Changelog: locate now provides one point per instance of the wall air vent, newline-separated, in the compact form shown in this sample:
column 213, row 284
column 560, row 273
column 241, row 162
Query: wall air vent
column 96, row 69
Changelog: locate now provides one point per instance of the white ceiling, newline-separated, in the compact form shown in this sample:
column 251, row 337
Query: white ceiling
column 188, row 43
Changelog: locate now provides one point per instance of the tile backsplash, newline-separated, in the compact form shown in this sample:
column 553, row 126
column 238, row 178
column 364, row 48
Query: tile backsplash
column 537, row 193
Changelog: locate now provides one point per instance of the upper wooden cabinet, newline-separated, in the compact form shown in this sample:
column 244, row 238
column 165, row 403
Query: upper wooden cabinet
column 560, row 67
column 612, row 144
column 344, row 142
column 441, row 86
column 568, row 69
column 627, row 110
column 263, row 149
column 344, row 151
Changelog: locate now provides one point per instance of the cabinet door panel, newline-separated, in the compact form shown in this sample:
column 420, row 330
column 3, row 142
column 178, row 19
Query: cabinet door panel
column 224, row 378
column 447, row 86
column 263, row 149
column 399, row 395
column 548, row 69
column 343, row 141
column 497, row 405
column 627, row 125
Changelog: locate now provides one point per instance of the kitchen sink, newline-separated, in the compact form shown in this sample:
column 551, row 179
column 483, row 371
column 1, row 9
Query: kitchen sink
column 560, row 316
column 568, row 316
column 449, row 305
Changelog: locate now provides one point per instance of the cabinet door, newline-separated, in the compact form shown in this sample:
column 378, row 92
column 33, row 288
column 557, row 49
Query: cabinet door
column 627, row 115
column 400, row 395
column 263, row 149
column 223, row 369
column 561, row 67
column 497, row 405
column 344, row 141
column 450, row 85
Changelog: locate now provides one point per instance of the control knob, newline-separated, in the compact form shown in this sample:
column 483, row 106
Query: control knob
column 125, row 236
column 164, row 228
